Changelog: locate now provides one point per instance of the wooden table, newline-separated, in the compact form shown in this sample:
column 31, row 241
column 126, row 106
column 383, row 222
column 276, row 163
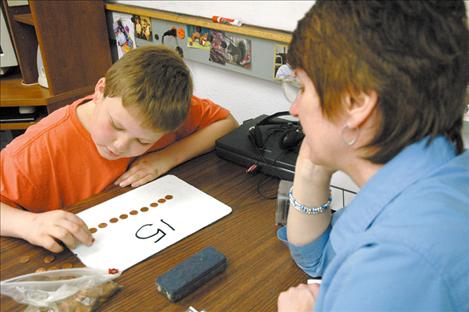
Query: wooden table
column 259, row 265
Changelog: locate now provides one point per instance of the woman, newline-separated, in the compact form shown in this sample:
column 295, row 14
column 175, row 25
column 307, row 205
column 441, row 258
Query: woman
column 380, row 89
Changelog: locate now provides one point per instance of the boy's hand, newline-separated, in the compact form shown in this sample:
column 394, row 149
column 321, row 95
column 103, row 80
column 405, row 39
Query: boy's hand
column 145, row 169
column 300, row 298
column 47, row 228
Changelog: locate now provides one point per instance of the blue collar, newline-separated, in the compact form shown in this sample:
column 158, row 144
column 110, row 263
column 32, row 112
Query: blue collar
column 412, row 163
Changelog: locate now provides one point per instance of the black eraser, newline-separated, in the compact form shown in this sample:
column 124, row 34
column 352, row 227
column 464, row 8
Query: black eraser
column 190, row 274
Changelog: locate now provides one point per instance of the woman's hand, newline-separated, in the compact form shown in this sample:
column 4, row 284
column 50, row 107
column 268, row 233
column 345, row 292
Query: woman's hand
column 306, row 169
column 300, row 298
column 47, row 229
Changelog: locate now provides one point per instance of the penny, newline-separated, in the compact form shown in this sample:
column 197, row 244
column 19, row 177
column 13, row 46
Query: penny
column 41, row 269
column 169, row 197
column 48, row 259
column 161, row 200
column 93, row 230
column 154, row 205
column 102, row 225
column 123, row 216
column 113, row 220
column 144, row 209
column 25, row 259
column 133, row 212
column 67, row 266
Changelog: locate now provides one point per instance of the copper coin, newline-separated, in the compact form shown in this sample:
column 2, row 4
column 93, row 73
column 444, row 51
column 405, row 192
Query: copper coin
column 144, row 209
column 169, row 197
column 25, row 259
column 48, row 259
column 102, row 225
column 67, row 266
column 161, row 200
column 41, row 269
column 52, row 268
column 113, row 220
column 123, row 216
column 154, row 205
column 133, row 212
column 93, row 230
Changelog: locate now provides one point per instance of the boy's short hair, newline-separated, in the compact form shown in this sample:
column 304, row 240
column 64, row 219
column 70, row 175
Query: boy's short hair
column 155, row 83
column 414, row 54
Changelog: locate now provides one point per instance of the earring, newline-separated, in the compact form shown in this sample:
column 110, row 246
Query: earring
column 354, row 139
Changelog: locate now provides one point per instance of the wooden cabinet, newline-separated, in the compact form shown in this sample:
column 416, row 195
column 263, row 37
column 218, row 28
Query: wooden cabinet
column 73, row 40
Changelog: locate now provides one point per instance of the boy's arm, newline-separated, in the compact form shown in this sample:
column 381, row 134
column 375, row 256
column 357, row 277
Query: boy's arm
column 152, row 165
column 44, row 229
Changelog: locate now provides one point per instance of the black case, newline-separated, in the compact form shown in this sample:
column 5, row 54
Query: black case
column 271, row 160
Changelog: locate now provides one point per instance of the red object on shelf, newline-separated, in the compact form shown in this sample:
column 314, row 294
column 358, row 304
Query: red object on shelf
column 225, row 20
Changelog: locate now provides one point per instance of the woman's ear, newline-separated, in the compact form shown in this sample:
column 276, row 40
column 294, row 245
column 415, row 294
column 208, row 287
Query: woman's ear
column 360, row 107
column 99, row 90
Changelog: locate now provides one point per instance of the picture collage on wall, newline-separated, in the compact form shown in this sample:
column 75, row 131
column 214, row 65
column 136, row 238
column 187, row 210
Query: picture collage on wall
column 222, row 48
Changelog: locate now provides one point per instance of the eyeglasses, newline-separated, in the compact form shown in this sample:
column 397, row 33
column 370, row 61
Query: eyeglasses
column 291, row 87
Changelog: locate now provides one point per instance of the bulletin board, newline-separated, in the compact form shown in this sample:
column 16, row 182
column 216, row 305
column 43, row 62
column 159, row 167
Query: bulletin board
column 249, row 50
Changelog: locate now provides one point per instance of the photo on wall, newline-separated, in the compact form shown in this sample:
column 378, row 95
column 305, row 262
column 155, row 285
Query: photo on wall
column 198, row 37
column 124, row 33
column 217, row 47
column 281, row 67
column 238, row 51
column 142, row 27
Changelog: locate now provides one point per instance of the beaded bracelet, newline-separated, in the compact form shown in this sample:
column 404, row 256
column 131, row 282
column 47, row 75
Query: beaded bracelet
column 307, row 210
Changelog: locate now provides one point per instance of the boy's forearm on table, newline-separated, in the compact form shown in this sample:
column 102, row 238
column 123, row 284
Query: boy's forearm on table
column 199, row 142
column 13, row 221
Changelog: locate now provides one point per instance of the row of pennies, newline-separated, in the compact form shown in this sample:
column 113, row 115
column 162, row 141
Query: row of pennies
column 380, row 89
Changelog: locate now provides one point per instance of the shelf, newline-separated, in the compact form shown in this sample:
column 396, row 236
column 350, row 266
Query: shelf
column 24, row 18
column 16, row 125
column 15, row 93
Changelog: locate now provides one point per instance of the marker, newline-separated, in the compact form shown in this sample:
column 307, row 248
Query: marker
column 225, row 20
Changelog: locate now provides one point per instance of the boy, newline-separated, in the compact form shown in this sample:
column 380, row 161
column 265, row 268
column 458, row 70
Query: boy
column 143, row 107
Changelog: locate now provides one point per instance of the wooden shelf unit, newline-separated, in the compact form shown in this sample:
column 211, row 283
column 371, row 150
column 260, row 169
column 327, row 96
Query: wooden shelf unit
column 74, row 43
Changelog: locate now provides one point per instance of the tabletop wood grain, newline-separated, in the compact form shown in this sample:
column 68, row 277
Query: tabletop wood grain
column 259, row 265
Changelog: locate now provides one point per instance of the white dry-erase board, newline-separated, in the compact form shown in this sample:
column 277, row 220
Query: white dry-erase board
column 134, row 226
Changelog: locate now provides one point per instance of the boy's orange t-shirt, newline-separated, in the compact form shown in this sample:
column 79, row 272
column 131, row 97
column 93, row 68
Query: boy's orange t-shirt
column 55, row 164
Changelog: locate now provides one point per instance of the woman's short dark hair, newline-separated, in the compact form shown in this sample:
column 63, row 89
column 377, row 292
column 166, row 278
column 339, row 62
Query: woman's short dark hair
column 414, row 54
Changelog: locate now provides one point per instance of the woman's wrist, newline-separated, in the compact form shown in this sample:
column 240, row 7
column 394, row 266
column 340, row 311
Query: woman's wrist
column 312, row 189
